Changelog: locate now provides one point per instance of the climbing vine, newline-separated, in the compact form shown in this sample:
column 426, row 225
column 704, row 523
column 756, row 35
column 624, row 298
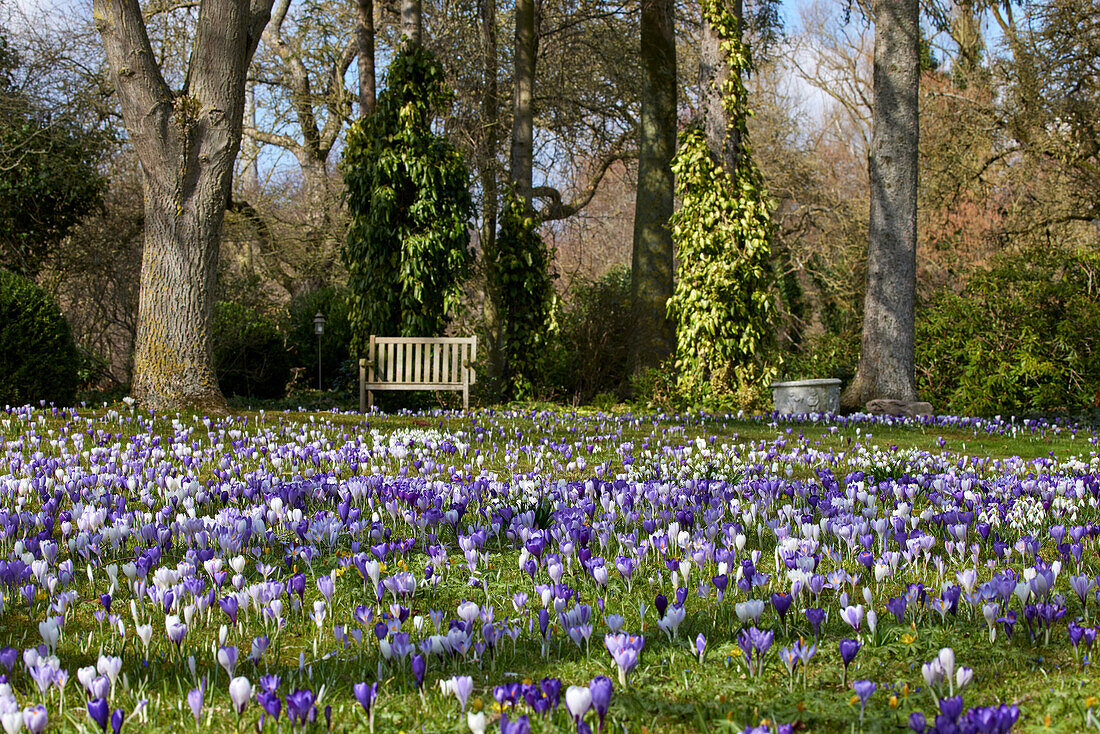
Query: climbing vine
column 408, row 196
column 722, row 232
column 521, row 286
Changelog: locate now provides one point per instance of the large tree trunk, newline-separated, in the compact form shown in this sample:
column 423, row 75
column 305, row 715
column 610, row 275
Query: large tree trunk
column 887, row 350
column 187, row 144
column 523, row 99
column 724, row 142
column 365, row 57
column 651, row 273
column 173, row 365
column 412, row 22
column 487, row 167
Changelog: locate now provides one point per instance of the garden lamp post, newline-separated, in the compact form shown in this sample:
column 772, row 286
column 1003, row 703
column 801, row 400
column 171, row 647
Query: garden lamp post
column 318, row 329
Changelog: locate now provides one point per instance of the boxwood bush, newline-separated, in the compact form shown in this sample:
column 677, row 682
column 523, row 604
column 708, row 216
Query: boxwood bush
column 38, row 359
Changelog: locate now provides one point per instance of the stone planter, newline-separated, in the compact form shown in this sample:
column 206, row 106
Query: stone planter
column 806, row 396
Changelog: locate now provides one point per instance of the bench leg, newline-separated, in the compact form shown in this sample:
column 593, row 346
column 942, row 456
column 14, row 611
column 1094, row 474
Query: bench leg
column 362, row 382
column 465, row 398
column 370, row 398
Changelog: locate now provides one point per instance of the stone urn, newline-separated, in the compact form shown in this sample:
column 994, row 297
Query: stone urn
column 806, row 396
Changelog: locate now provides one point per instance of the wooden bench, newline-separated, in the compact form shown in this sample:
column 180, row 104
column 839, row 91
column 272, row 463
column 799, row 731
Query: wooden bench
column 417, row 363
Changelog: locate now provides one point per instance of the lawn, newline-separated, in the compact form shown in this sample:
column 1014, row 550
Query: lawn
column 266, row 569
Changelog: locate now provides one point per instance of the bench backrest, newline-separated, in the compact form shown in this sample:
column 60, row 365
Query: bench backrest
column 412, row 359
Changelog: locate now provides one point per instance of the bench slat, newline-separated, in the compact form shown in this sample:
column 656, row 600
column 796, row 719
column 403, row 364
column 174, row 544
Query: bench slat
column 413, row 386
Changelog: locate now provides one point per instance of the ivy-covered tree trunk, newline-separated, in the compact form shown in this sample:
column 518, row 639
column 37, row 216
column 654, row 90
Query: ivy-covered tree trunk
column 723, row 140
column 886, row 360
column 187, row 144
column 723, row 231
column 651, row 281
column 408, row 198
column 523, row 101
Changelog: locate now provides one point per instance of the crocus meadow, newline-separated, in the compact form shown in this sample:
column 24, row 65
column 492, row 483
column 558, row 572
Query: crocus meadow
column 540, row 571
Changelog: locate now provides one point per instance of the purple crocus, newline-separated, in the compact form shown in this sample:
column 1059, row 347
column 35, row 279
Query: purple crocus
column 366, row 694
column 522, row 725
column 601, row 689
column 782, row 602
column 815, row 616
column 271, row 703
column 299, row 705
column 848, row 650
column 35, row 718
column 118, row 716
column 194, row 700
column 97, row 709
column 863, row 689
column 625, row 650
column 419, row 666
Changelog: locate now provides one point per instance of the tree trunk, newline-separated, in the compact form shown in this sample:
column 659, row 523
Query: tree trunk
column 187, row 144
column 887, row 349
column 651, row 282
column 724, row 143
column 487, row 167
column 250, row 174
column 523, row 98
column 173, row 364
column 412, row 22
column 365, row 56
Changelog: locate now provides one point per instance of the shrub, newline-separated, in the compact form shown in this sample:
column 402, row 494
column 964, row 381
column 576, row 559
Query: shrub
column 38, row 360
column 249, row 354
column 338, row 370
column 1020, row 339
column 591, row 353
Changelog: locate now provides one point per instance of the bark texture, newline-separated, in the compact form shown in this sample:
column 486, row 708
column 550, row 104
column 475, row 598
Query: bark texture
column 487, row 168
column 187, row 144
column 887, row 348
column 651, row 282
column 412, row 21
column 724, row 143
column 521, row 162
column 365, row 57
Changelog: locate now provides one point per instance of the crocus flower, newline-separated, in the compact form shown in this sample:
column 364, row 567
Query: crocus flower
column 601, row 689
column 240, row 690
column 815, row 616
column 462, row 686
column 227, row 658
column 35, row 718
column 522, row 725
column 365, row 694
column 863, row 689
column 625, row 650
column 299, row 705
column 118, row 716
column 853, row 615
column 848, row 650
column 477, row 722
column 98, row 711
column 194, row 700
column 578, row 699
